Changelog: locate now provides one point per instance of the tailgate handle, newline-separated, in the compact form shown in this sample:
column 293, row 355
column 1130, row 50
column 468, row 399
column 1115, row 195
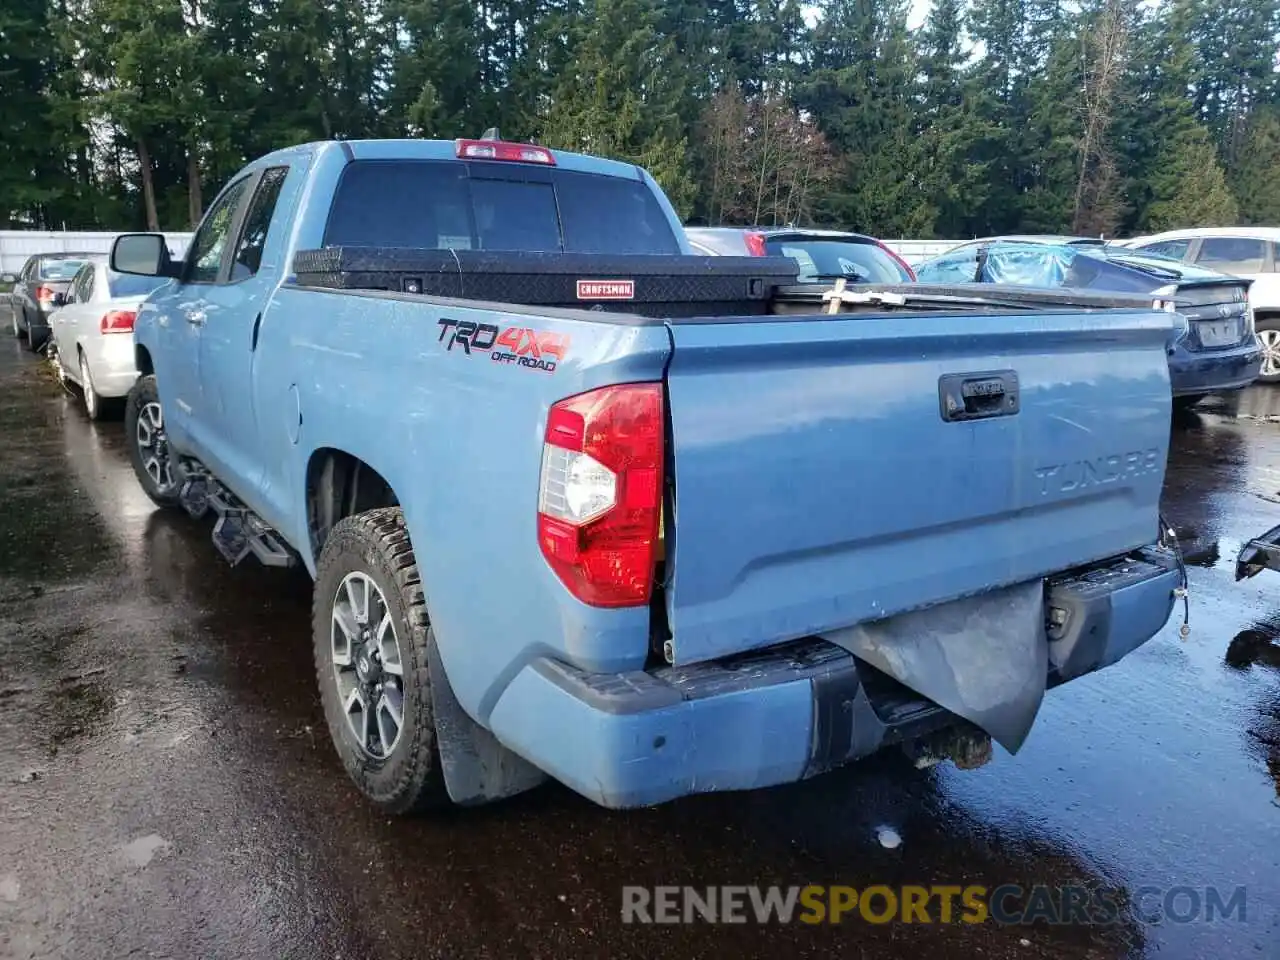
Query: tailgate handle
column 978, row 396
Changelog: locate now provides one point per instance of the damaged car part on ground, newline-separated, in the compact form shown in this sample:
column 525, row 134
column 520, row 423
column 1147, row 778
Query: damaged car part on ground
column 652, row 524
column 1218, row 351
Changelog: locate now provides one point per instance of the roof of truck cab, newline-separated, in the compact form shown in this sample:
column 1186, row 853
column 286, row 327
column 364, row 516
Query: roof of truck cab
column 407, row 149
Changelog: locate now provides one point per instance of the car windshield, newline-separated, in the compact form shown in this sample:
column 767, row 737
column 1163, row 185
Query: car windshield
column 60, row 269
column 830, row 259
column 131, row 285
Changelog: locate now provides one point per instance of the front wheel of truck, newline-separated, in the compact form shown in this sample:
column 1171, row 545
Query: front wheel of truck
column 370, row 632
column 153, row 461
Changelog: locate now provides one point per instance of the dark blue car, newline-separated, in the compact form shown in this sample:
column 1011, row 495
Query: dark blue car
column 1217, row 354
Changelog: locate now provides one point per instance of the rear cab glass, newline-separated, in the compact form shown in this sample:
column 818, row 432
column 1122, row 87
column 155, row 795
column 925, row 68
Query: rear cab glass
column 834, row 258
column 60, row 269
column 440, row 205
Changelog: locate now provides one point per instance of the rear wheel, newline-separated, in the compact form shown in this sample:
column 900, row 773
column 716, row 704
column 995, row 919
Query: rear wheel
column 35, row 338
column 93, row 403
column 1269, row 340
column 154, row 463
column 370, row 632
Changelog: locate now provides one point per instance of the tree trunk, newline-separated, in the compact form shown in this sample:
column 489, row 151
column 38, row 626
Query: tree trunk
column 195, row 204
column 148, row 187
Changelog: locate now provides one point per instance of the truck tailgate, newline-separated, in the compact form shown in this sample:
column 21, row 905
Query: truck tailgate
column 820, row 481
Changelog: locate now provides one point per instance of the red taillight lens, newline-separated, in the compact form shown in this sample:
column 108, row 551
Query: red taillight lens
column 44, row 294
column 600, row 493
column 502, row 150
column 755, row 244
column 117, row 321
column 902, row 263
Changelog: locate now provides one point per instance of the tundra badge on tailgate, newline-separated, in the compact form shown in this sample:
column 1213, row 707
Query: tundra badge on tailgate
column 535, row 349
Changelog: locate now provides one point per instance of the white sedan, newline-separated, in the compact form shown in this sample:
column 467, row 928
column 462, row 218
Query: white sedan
column 93, row 332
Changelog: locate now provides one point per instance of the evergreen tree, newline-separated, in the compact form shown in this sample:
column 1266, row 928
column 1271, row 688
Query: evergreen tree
column 1256, row 178
column 620, row 96
column 1190, row 188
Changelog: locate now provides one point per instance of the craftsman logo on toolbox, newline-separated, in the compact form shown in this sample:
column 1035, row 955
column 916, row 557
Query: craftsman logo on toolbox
column 534, row 349
column 606, row 289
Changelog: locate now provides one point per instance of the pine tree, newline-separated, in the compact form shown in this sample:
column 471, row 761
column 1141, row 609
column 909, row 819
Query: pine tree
column 1190, row 189
column 621, row 97
column 26, row 37
column 1256, row 178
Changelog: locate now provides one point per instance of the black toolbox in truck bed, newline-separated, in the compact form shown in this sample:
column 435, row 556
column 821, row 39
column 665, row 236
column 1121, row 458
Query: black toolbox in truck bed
column 648, row 285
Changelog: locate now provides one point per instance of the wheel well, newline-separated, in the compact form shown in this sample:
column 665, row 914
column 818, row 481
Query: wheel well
column 142, row 360
column 339, row 486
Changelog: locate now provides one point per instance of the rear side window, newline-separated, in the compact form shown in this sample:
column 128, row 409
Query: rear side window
column 131, row 285
column 1232, row 254
column 1173, row 249
column 60, row 269
column 436, row 205
column 832, row 259
column 253, row 235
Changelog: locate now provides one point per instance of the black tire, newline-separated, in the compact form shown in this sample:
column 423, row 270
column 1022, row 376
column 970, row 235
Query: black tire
column 95, row 405
column 376, row 544
column 35, row 340
column 143, row 394
column 1269, row 339
column 1185, row 404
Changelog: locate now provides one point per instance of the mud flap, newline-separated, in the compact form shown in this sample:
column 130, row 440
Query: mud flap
column 477, row 768
column 984, row 658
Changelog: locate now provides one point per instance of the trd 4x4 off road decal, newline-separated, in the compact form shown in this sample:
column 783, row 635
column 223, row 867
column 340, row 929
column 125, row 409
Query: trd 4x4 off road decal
column 537, row 350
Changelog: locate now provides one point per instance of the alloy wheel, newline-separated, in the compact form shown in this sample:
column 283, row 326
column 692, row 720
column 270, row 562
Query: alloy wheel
column 367, row 667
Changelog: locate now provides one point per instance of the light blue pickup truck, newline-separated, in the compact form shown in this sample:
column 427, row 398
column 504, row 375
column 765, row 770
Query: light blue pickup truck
column 580, row 504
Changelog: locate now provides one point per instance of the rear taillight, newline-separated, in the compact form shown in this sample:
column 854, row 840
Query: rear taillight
column 755, row 244
column 502, row 150
column 44, row 294
column 600, row 493
column 902, row 263
column 117, row 321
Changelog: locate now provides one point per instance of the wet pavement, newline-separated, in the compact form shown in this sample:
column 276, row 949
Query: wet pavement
column 167, row 787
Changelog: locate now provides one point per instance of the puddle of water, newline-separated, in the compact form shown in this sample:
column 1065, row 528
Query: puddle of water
column 143, row 850
column 78, row 709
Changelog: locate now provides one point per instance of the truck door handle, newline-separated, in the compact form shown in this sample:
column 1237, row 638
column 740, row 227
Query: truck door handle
column 195, row 318
column 978, row 396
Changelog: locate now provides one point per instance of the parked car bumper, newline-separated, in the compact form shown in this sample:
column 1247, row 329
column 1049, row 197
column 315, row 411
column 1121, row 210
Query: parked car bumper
column 111, row 363
column 778, row 715
column 1200, row 373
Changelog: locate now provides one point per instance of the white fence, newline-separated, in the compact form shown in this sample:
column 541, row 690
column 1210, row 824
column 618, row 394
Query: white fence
column 17, row 245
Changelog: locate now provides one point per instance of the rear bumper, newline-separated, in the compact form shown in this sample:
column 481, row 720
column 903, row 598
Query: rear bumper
column 112, row 364
column 786, row 713
column 1195, row 374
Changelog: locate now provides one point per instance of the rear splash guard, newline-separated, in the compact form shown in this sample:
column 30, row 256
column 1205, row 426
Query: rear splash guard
column 983, row 658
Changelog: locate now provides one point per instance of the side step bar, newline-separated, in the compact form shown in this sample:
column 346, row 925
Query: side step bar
column 238, row 531
column 1260, row 553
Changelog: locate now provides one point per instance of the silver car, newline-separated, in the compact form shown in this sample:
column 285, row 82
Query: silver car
column 92, row 329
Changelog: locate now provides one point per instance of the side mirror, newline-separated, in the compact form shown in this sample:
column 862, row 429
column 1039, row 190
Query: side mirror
column 142, row 254
column 9, row 278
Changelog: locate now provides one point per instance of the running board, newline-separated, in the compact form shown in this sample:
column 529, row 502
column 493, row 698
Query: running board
column 238, row 531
